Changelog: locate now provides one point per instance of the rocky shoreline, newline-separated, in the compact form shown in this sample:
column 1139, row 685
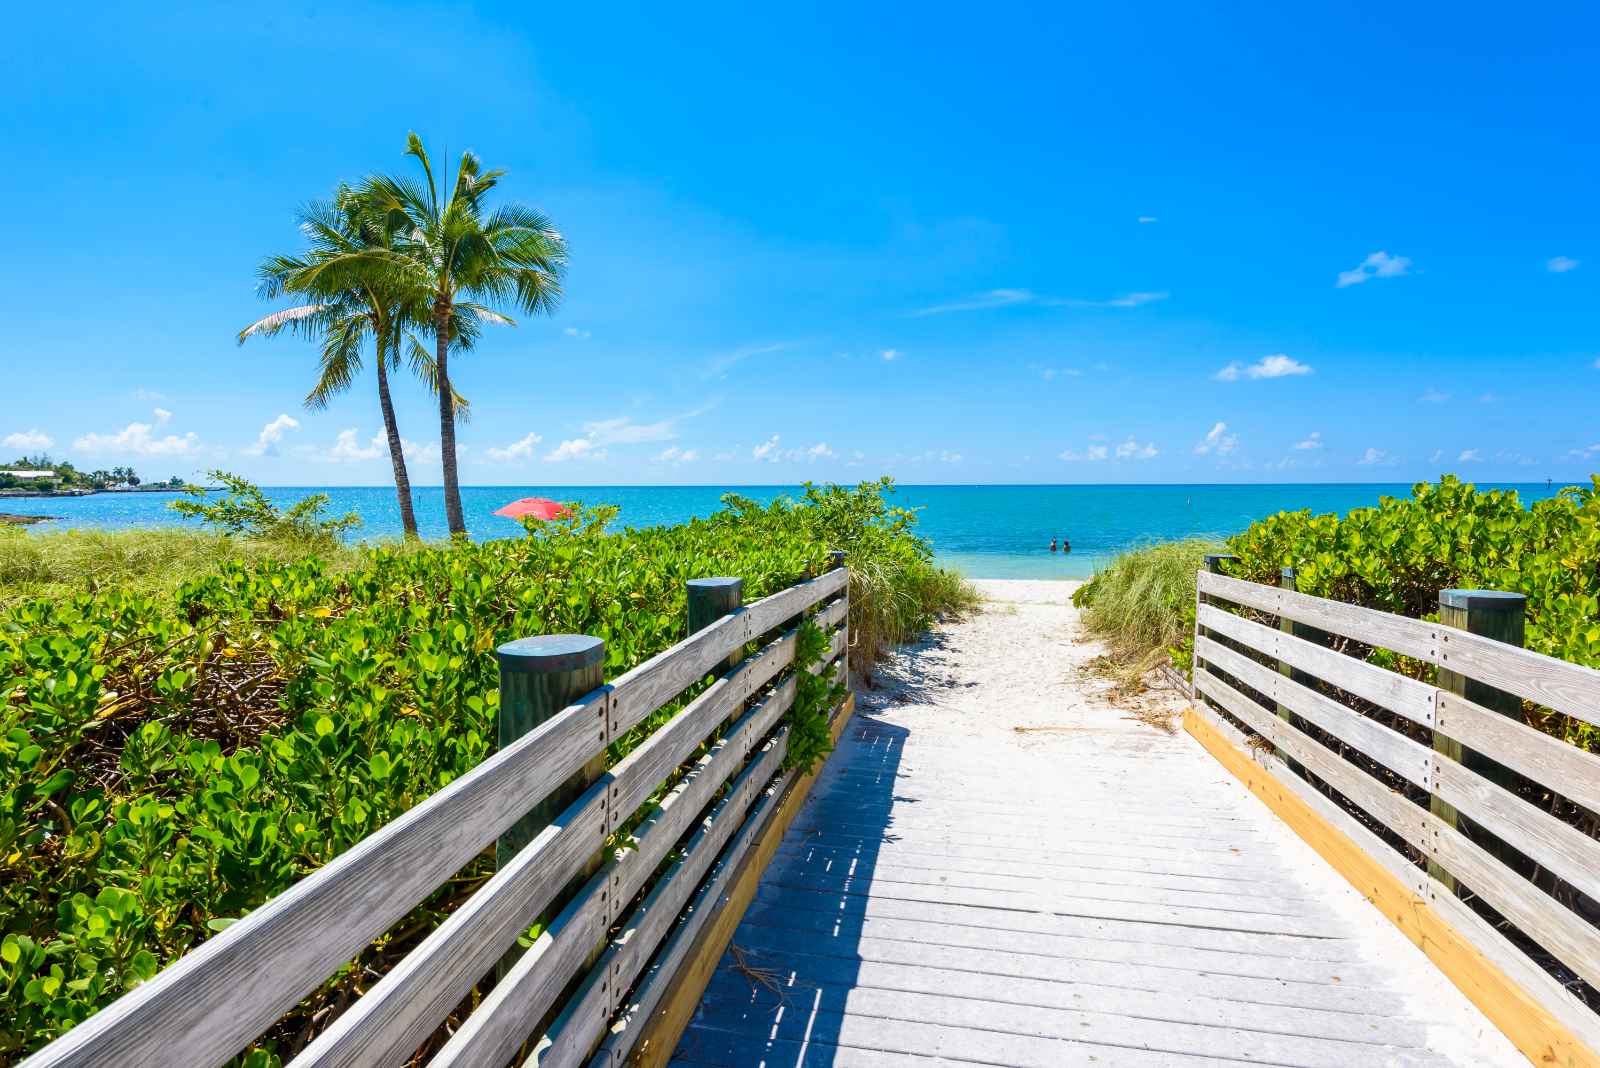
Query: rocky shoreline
column 13, row 519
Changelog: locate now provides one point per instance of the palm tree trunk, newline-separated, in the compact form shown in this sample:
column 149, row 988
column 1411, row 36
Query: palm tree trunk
column 402, row 480
column 447, row 425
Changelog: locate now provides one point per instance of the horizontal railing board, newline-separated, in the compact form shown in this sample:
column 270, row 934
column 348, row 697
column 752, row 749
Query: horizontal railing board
column 658, row 680
column 1553, row 762
column 503, row 1021
column 663, row 971
column 529, row 988
column 215, row 1000
column 1571, row 689
column 1407, row 697
column 1394, row 751
column 1534, row 980
column 1560, row 847
column 1563, row 933
column 394, row 1017
column 1411, row 637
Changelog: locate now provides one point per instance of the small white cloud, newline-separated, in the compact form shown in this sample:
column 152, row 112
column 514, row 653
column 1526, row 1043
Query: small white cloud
column 856, row 458
column 624, row 431
column 143, row 394
column 28, row 439
column 348, row 450
column 1132, row 450
column 1488, row 398
column 767, row 450
column 994, row 298
column 944, row 456
column 139, row 439
column 1586, row 453
column 1469, row 456
column 820, row 451
column 575, row 449
column 1276, row 365
column 1147, row 218
column 1433, row 396
column 1375, row 457
column 1312, row 440
column 891, row 354
column 162, row 416
column 1377, row 265
column 675, row 456
column 1217, row 440
column 521, row 449
column 581, row 335
column 271, row 434
column 1561, row 264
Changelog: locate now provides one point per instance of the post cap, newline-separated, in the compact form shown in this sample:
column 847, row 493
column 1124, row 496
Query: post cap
column 550, row 653
column 721, row 582
column 1492, row 600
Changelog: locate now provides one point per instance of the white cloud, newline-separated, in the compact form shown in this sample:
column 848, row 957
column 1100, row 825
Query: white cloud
column 722, row 363
column 271, row 434
column 1147, row 218
column 944, row 456
column 521, row 449
column 994, row 298
column 1586, row 453
column 624, row 431
column 1469, row 456
column 575, row 449
column 28, row 439
column 1217, row 440
column 1433, row 396
column 820, row 451
column 1561, row 264
column 856, row 458
column 1132, row 450
column 891, row 354
column 581, row 335
column 347, row 450
column 675, row 456
column 139, row 439
column 1003, row 298
column 1375, row 456
column 1276, row 365
column 767, row 450
column 1312, row 440
column 1597, row 363
column 1377, row 265
column 143, row 394
column 163, row 416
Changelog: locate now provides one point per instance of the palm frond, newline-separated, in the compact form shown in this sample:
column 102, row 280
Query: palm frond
column 275, row 323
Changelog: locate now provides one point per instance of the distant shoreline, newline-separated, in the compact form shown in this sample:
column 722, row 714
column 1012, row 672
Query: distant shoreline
column 20, row 493
column 12, row 519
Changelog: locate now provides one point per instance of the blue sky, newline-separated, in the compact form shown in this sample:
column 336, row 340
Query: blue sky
column 1146, row 243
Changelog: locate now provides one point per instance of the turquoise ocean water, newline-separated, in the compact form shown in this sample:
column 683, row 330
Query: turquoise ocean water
column 985, row 531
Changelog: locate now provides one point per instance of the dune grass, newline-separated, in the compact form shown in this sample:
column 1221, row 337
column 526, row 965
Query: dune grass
column 54, row 564
column 893, row 600
column 1142, row 604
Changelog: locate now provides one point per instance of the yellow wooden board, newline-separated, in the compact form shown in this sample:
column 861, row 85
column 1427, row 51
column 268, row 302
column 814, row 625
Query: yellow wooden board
column 1542, row 1039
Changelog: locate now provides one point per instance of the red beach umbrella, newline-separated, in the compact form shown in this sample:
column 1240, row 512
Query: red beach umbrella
column 538, row 507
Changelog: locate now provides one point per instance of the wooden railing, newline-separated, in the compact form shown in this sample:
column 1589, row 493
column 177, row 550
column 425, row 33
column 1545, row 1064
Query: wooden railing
column 600, row 966
column 1445, row 786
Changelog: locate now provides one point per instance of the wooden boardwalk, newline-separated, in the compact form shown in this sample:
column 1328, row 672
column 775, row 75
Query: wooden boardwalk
column 1088, row 889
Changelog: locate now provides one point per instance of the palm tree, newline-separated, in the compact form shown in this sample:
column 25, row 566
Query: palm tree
column 460, row 260
column 347, row 272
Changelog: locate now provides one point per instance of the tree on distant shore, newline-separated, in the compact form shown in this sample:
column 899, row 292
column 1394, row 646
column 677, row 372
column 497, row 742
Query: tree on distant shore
column 459, row 260
column 350, row 274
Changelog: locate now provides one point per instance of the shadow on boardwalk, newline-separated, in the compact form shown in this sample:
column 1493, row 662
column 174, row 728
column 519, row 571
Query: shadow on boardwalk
column 795, row 956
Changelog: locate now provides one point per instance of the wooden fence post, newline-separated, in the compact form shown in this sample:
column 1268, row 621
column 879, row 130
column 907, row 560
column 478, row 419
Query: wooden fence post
column 1492, row 614
column 709, row 600
column 841, row 670
column 538, row 678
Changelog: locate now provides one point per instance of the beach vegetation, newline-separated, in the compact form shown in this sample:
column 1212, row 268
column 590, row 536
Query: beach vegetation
column 173, row 756
column 1142, row 604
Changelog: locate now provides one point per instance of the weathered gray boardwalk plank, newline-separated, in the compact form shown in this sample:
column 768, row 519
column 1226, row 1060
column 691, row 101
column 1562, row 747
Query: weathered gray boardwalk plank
column 957, row 892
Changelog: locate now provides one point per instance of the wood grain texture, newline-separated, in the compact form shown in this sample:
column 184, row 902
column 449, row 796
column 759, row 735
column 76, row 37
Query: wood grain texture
column 214, row 1001
column 1412, row 637
column 1525, row 1019
column 1572, row 772
column 1563, row 933
column 652, row 1031
column 1408, row 697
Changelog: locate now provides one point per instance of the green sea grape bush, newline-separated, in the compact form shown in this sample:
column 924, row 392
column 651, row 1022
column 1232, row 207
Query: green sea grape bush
column 169, row 761
column 243, row 509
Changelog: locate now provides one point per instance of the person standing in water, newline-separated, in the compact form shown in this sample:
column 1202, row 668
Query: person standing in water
column 1052, row 545
column 1066, row 546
